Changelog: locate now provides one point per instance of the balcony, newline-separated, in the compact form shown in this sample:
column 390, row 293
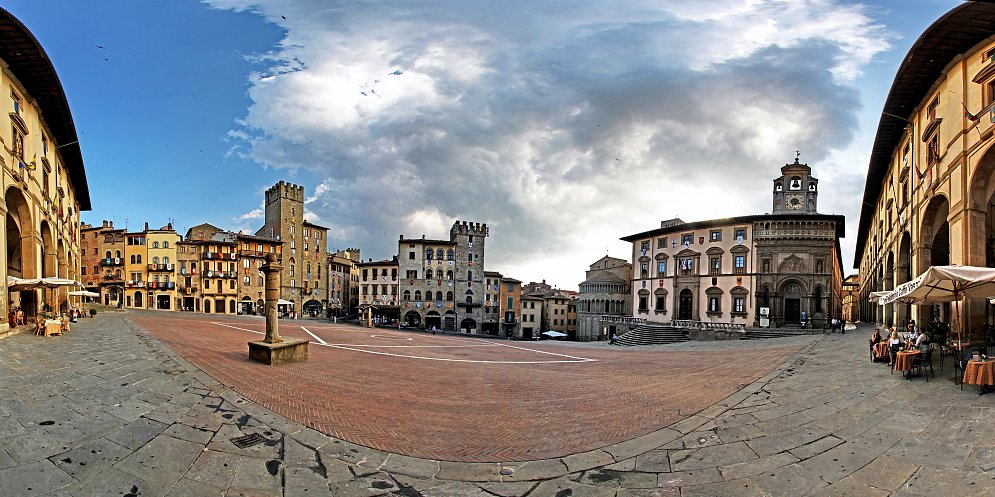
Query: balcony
column 160, row 268
column 226, row 256
column 188, row 290
column 469, row 305
column 110, row 279
column 221, row 274
column 252, row 253
column 188, row 272
column 161, row 285
column 111, row 261
column 134, row 284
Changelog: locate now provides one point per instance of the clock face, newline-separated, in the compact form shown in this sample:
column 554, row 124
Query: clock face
column 794, row 202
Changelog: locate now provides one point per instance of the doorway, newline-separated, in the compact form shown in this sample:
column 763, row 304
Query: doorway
column 685, row 304
column 792, row 311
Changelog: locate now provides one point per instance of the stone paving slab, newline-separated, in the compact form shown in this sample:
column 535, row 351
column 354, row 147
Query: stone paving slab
column 825, row 422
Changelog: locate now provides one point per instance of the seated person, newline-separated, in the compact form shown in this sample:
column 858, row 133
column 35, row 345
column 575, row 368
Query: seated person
column 921, row 340
column 893, row 344
column 874, row 340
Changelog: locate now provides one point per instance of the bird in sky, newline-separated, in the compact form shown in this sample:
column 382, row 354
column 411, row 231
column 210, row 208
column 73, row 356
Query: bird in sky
column 284, row 17
column 398, row 72
column 100, row 46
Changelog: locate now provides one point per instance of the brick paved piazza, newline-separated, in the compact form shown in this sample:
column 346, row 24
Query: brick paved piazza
column 457, row 398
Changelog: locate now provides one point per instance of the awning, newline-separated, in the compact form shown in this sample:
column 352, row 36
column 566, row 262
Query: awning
column 83, row 293
column 284, row 302
column 19, row 284
column 876, row 296
column 945, row 284
column 554, row 334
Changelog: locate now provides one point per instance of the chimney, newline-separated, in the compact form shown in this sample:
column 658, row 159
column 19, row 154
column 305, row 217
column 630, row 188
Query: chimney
column 146, row 225
column 105, row 223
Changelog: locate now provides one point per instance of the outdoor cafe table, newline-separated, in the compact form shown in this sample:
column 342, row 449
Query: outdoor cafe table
column 52, row 327
column 980, row 373
column 881, row 350
column 904, row 359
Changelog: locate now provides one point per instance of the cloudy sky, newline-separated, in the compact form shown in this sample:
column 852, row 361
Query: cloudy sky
column 562, row 125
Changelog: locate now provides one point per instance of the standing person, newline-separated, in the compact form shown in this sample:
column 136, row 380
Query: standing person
column 433, row 329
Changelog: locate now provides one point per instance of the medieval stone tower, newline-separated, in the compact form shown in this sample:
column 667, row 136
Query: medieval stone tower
column 304, row 254
column 470, row 296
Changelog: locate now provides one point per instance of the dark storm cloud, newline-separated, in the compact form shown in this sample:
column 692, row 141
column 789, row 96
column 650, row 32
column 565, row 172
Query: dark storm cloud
column 561, row 127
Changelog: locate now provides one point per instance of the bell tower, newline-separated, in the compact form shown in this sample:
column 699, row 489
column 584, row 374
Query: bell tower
column 796, row 191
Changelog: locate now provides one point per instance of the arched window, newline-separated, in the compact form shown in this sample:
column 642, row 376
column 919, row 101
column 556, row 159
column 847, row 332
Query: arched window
column 428, row 274
column 108, row 256
column 429, row 253
column 450, row 255
column 245, row 263
column 449, row 275
column 449, row 296
column 417, row 295
column 438, row 295
column 117, row 253
column 139, row 258
column 469, row 299
column 155, row 260
column 818, row 299
column 438, row 254
column 469, row 276
column 165, row 244
column 406, row 295
column 165, row 260
column 155, row 244
column 133, row 259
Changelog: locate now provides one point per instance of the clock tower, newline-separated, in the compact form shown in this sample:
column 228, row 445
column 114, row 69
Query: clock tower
column 795, row 191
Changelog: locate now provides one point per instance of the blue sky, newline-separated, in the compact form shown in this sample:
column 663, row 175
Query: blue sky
column 563, row 129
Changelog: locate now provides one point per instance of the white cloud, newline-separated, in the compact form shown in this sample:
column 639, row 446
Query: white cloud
column 563, row 129
column 251, row 215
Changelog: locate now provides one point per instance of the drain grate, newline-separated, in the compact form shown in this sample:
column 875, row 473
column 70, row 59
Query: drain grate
column 248, row 440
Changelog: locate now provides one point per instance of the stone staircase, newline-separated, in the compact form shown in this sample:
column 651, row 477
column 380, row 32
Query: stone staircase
column 652, row 333
column 762, row 333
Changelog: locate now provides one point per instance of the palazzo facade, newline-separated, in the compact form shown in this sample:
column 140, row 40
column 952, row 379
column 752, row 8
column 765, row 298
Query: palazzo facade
column 929, row 197
column 43, row 178
column 777, row 269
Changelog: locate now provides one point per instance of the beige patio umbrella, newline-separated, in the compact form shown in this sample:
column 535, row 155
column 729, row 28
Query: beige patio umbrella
column 946, row 284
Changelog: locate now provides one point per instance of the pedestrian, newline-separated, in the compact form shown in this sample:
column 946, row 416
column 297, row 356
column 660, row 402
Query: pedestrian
column 433, row 329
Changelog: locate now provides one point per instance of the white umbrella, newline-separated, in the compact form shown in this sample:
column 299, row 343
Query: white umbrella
column 876, row 296
column 19, row 284
column 946, row 284
column 84, row 293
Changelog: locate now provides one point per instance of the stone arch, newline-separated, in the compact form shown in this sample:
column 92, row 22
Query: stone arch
column 934, row 234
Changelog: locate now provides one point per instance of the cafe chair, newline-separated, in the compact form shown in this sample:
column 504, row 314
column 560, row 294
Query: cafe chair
column 925, row 359
column 960, row 365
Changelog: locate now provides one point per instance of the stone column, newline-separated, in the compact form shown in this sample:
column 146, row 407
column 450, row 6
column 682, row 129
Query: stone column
column 271, row 271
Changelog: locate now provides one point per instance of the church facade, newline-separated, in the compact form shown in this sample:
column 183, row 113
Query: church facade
column 770, row 270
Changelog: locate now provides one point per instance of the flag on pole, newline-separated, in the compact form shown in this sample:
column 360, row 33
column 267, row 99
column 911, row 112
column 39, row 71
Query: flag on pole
column 970, row 117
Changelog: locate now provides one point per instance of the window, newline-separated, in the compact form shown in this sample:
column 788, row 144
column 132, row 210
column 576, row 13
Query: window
column 155, row 244
column 428, row 274
column 469, row 276
column 417, row 295
column 511, row 302
column 411, row 255
column 17, row 102
column 740, row 264
column 642, row 303
column 686, row 265
column 714, row 265
column 364, row 275
column 661, row 242
column 245, row 263
column 451, row 255
column 740, row 233
column 933, row 148
column 713, row 304
column 687, row 239
column 661, row 303
column 644, row 246
column 818, row 299
column 661, row 268
column 18, row 141
column 165, row 244
column 738, row 305
column 429, row 253
column 245, row 280
column 819, row 266
column 715, row 235
column 450, row 296
column 931, row 110
column 155, row 260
